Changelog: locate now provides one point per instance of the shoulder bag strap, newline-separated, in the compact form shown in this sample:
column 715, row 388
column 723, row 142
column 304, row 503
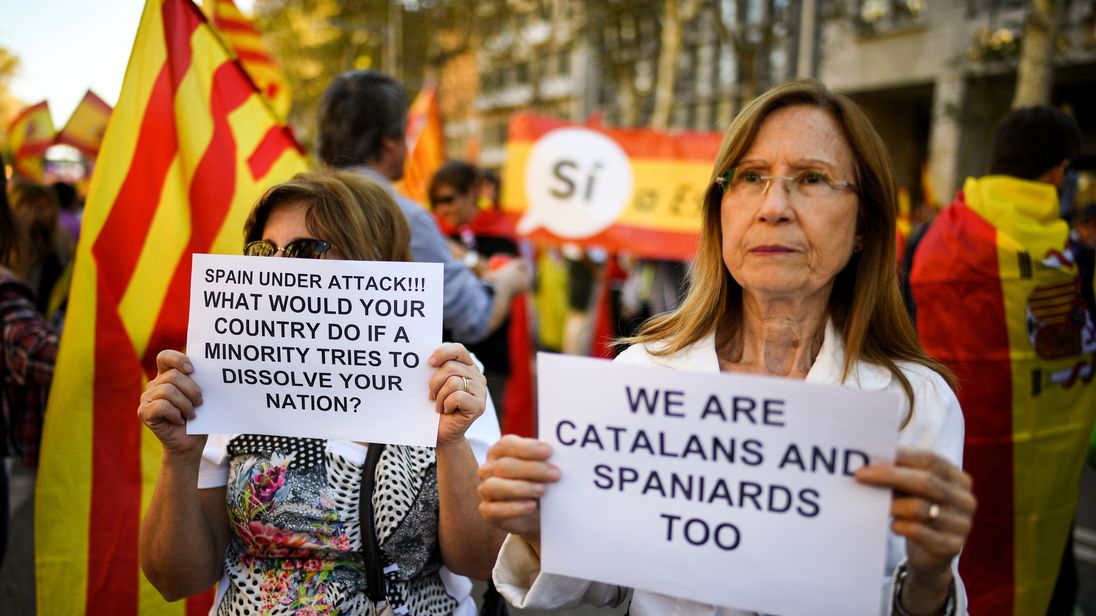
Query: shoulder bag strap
column 371, row 548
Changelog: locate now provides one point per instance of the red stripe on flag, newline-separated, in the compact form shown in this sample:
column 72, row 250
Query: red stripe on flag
column 257, row 57
column 28, row 111
column 118, row 244
column 636, row 142
column 94, row 99
column 116, row 469
column 273, row 144
column 638, row 241
column 955, row 271
column 212, row 188
column 228, row 24
column 116, row 465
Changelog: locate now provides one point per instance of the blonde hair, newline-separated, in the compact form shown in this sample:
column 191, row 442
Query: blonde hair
column 353, row 213
column 865, row 305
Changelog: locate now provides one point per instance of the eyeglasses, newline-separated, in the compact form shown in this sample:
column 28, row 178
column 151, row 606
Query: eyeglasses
column 304, row 248
column 443, row 200
column 809, row 183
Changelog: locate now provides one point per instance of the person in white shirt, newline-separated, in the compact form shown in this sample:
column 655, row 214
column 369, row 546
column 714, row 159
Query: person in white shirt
column 795, row 276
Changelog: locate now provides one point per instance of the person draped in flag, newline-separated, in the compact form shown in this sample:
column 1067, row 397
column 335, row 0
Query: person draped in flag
column 362, row 123
column 276, row 519
column 794, row 277
column 998, row 300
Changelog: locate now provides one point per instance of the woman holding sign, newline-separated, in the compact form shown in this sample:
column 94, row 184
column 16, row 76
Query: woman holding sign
column 296, row 525
column 794, row 277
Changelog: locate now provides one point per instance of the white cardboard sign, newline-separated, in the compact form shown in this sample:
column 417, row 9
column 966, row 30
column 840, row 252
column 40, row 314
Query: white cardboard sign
column 315, row 348
column 725, row 489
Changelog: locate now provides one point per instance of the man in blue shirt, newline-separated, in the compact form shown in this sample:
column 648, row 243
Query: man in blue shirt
column 363, row 119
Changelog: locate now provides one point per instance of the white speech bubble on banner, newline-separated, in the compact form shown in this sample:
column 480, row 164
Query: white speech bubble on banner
column 577, row 183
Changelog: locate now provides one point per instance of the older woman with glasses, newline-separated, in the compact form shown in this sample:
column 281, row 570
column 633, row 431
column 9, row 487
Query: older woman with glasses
column 298, row 525
column 794, row 277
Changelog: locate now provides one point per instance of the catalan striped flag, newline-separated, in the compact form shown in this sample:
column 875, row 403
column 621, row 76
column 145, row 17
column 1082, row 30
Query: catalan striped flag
column 247, row 45
column 425, row 145
column 30, row 134
column 998, row 300
column 87, row 125
column 189, row 150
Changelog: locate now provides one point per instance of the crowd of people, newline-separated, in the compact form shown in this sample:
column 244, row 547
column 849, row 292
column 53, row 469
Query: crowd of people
column 797, row 275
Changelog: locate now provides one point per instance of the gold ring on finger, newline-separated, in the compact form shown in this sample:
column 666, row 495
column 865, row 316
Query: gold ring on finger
column 465, row 382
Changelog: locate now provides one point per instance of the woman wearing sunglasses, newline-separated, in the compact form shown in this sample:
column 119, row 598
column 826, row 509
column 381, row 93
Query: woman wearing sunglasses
column 286, row 525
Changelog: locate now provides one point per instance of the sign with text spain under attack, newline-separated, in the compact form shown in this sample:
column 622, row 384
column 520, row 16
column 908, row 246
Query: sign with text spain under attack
column 315, row 348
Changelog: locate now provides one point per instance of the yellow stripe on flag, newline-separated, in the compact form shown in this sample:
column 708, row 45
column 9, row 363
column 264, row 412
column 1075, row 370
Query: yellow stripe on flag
column 63, row 490
column 169, row 234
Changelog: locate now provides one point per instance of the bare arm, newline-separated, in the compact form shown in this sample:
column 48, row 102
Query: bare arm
column 184, row 534
column 185, row 531
column 469, row 545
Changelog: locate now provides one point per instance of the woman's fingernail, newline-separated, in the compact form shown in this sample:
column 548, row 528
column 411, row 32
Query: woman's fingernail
column 187, row 367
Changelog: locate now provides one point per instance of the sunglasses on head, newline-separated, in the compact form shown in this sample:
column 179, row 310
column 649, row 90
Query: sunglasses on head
column 304, row 248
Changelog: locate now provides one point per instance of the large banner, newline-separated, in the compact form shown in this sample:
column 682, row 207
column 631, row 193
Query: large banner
column 627, row 190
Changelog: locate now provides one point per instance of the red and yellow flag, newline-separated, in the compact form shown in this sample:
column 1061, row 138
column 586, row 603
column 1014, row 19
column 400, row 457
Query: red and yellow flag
column 425, row 145
column 247, row 45
column 30, row 134
column 85, row 128
column 189, row 151
column 998, row 300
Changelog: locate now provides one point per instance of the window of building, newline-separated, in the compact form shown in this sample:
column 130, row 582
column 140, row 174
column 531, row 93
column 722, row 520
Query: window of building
column 563, row 62
column 881, row 16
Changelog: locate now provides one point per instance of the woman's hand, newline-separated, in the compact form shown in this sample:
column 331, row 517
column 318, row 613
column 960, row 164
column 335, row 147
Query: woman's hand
column 459, row 391
column 933, row 507
column 511, row 483
column 169, row 401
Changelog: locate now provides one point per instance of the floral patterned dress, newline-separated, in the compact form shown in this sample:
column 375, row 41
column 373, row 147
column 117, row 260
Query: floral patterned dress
column 295, row 546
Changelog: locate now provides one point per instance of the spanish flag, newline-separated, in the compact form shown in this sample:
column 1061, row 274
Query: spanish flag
column 85, row 128
column 189, row 151
column 425, row 145
column 30, row 134
column 247, row 45
column 998, row 300
column 660, row 216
